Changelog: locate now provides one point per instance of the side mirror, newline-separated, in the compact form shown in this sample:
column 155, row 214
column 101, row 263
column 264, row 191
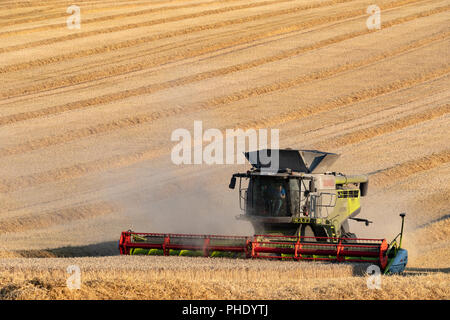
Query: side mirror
column 232, row 182
column 363, row 187
column 312, row 186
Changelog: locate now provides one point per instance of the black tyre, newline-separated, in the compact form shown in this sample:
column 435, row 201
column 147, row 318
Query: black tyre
column 349, row 236
column 307, row 231
column 310, row 231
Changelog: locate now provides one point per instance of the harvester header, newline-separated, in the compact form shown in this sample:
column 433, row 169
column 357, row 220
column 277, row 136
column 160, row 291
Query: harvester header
column 389, row 257
column 299, row 211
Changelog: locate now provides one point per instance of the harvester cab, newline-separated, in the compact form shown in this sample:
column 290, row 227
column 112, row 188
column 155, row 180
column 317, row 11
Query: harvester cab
column 299, row 196
column 299, row 211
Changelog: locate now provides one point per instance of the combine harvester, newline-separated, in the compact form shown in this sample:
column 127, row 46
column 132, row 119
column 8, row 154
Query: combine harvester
column 299, row 212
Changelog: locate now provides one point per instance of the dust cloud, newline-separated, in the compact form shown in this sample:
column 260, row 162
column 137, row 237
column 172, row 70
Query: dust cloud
column 192, row 199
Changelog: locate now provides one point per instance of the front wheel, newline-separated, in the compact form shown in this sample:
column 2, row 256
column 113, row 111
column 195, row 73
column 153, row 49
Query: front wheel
column 350, row 236
column 310, row 231
column 307, row 231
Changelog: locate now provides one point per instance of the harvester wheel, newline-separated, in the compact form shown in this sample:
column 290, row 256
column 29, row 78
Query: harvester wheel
column 349, row 235
column 307, row 231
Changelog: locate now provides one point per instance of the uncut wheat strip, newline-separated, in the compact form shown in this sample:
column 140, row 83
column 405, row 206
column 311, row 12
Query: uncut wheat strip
column 113, row 284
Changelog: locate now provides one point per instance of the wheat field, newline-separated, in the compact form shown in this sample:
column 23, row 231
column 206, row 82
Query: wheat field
column 86, row 117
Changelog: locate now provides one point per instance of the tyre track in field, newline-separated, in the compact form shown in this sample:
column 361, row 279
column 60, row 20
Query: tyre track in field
column 384, row 128
column 128, row 43
column 109, row 72
column 55, row 217
column 37, row 4
column 403, row 170
column 21, row 14
column 120, row 70
column 139, row 24
column 417, row 103
column 133, row 42
column 373, row 111
column 63, row 13
column 146, row 118
column 339, row 102
column 168, row 47
column 90, row 7
column 257, row 30
column 81, row 169
column 325, row 142
column 78, row 170
column 17, row 5
column 134, row 67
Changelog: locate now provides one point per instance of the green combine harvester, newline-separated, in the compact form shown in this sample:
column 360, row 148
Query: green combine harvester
column 299, row 211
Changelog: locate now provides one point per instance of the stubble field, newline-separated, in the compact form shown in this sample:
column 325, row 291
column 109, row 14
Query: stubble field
column 86, row 117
